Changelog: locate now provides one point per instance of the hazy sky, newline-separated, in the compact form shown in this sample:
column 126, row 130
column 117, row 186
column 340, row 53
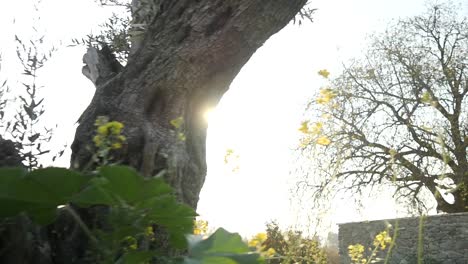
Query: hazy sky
column 258, row 117
column 272, row 91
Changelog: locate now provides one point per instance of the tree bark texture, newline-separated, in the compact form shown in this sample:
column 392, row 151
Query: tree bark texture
column 189, row 55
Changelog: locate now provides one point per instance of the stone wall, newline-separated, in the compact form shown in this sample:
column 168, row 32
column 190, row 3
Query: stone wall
column 445, row 239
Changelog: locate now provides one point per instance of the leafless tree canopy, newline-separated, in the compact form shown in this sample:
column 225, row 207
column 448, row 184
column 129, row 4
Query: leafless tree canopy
column 399, row 116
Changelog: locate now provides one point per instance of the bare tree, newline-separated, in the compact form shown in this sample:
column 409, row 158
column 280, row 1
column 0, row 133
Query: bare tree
column 400, row 115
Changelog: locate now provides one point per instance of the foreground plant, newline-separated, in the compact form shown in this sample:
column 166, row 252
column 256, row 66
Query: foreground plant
column 135, row 205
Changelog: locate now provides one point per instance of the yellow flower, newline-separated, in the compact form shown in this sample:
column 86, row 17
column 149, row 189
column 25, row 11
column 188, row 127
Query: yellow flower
column 323, row 140
column 116, row 145
column 382, row 239
column 181, row 136
column 133, row 246
column 304, row 142
column 108, row 134
column 324, row 73
column 326, row 95
column 130, row 242
column 114, row 127
column 258, row 239
column 178, row 122
column 426, row 98
column 262, row 237
column 356, row 253
column 200, row 227
column 97, row 140
column 102, row 130
column 270, row 252
column 304, row 127
column 317, row 128
column 149, row 231
column 253, row 243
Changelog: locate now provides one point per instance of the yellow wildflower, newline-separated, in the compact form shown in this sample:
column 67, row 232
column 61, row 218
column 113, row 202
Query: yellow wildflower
column 253, row 243
column 130, row 242
column 270, row 252
column 323, row 140
column 149, row 231
column 326, row 95
column 324, row 73
column 178, row 122
column 97, row 140
column 426, row 98
column 261, row 237
column 356, row 253
column 316, row 128
column 258, row 240
column 181, row 136
column 304, row 127
column 200, row 227
column 102, row 130
column 116, row 145
column 382, row 239
column 114, row 127
column 304, row 142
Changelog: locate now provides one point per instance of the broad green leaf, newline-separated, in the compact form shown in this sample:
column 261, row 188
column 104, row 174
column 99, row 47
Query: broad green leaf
column 220, row 241
column 95, row 194
column 177, row 218
column 221, row 247
column 58, row 183
column 137, row 257
column 43, row 216
column 124, row 182
column 37, row 193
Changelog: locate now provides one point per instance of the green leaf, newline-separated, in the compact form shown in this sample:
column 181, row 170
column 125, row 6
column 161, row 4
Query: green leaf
column 43, row 216
column 177, row 218
column 123, row 182
column 137, row 257
column 221, row 247
column 59, row 184
column 37, row 193
column 120, row 184
column 95, row 194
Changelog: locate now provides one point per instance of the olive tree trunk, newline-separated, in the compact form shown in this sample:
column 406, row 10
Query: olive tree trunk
column 183, row 64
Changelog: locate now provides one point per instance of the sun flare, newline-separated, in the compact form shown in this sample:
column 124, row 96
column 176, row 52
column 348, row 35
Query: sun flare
column 209, row 114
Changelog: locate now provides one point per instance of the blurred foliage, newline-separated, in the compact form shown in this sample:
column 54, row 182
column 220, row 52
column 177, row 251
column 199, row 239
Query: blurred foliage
column 289, row 246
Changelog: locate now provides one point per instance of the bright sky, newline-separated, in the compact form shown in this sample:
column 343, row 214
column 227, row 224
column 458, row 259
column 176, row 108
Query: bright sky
column 258, row 117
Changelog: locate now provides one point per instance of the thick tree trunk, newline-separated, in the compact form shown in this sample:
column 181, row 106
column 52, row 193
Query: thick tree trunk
column 191, row 52
column 187, row 59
